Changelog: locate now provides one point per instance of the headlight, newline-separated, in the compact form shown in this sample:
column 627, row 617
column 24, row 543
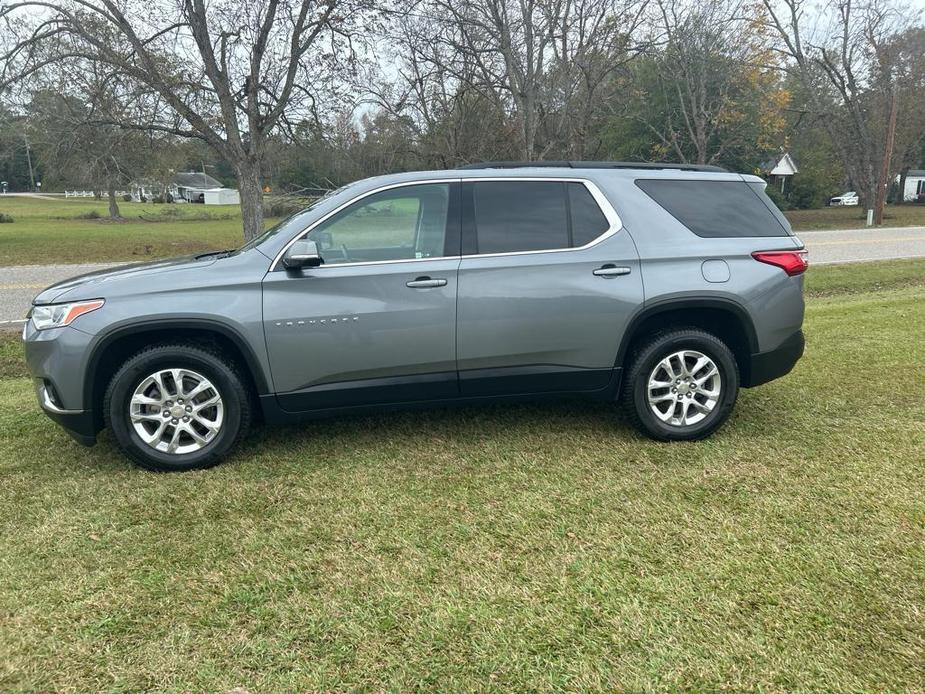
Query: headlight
column 59, row 315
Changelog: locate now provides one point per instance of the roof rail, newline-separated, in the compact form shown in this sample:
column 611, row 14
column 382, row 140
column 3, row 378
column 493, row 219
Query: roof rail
column 592, row 165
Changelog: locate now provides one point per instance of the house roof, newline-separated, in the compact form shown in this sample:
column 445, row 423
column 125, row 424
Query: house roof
column 784, row 165
column 195, row 179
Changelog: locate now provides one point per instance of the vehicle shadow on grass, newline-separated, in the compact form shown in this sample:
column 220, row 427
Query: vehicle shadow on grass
column 357, row 435
column 514, row 427
column 460, row 424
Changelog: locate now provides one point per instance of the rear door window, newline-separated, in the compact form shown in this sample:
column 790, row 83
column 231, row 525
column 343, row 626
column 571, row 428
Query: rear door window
column 512, row 216
column 517, row 216
column 717, row 209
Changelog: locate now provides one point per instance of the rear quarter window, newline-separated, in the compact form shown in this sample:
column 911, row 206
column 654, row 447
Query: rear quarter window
column 717, row 209
column 588, row 222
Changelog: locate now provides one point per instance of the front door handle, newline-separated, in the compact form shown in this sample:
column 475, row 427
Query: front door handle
column 611, row 270
column 426, row 283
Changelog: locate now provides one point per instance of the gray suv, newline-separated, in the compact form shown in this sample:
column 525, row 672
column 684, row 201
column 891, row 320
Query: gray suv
column 666, row 287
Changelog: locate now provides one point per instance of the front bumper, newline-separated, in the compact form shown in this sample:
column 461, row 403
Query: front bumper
column 79, row 424
column 766, row 366
column 57, row 361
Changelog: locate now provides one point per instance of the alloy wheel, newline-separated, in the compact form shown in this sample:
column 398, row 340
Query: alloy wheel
column 684, row 388
column 176, row 411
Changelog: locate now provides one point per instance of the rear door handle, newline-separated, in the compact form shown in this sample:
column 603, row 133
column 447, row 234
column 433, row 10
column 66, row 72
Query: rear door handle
column 610, row 270
column 426, row 283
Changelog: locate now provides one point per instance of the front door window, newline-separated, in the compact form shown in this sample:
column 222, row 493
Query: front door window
column 398, row 224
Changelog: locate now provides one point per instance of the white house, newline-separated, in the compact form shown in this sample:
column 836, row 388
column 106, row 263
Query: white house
column 915, row 184
column 192, row 186
column 780, row 169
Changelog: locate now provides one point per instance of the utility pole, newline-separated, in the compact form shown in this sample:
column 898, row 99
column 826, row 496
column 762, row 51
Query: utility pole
column 887, row 160
column 29, row 160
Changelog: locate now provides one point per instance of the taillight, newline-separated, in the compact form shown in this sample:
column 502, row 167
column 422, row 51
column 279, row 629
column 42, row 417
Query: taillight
column 791, row 262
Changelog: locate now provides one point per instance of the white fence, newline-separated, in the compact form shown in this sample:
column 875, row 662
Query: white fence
column 90, row 194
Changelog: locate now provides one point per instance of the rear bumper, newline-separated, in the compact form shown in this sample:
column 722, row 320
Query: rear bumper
column 766, row 366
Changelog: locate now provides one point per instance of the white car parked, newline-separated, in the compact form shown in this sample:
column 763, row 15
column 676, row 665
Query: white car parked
column 849, row 198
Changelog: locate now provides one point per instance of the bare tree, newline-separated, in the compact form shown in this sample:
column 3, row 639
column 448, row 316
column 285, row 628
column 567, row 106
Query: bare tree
column 455, row 117
column 541, row 63
column 100, row 158
column 842, row 60
column 706, row 92
column 63, row 125
column 228, row 73
column 595, row 41
column 908, row 80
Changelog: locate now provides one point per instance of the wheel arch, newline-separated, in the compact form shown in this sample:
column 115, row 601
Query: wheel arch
column 725, row 318
column 111, row 351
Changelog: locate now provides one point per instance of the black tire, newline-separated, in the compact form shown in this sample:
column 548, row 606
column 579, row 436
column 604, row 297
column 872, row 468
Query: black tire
column 647, row 356
column 223, row 374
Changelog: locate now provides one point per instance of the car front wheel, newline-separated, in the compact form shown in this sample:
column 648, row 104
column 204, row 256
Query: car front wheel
column 177, row 407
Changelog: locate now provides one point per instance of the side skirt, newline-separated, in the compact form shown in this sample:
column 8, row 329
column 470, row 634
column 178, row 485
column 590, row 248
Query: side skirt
column 274, row 413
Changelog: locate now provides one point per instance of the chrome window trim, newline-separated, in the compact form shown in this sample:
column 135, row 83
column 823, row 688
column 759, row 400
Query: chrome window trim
column 616, row 224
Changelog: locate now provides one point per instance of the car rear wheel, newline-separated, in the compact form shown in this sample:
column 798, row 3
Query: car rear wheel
column 177, row 407
column 681, row 385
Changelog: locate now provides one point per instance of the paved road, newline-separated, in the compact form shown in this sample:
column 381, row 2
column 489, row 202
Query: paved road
column 857, row 245
column 19, row 284
column 39, row 196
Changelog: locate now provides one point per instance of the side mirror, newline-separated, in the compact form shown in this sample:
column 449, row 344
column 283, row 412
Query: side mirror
column 302, row 253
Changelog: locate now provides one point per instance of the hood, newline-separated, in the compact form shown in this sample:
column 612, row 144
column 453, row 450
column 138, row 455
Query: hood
column 94, row 285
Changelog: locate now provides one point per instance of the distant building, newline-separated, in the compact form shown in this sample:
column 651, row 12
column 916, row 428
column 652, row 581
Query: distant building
column 192, row 186
column 779, row 170
column 222, row 196
column 915, row 185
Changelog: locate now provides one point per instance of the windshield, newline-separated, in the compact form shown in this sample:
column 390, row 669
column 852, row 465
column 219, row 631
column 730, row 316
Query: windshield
column 293, row 223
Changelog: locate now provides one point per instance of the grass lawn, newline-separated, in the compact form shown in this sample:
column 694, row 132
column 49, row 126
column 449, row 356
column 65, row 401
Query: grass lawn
column 508, row 548
column 52, row 231
column 854, row 217
column 49, row 231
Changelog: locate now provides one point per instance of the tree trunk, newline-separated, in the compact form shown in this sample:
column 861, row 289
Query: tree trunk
column 251, row 199
column 113, row 205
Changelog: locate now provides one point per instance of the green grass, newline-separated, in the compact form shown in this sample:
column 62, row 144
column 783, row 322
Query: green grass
column 50, row 231
column 862, row 277
column 62, row 233
column 508, row 548
column 12, row 364
column 854, row 217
